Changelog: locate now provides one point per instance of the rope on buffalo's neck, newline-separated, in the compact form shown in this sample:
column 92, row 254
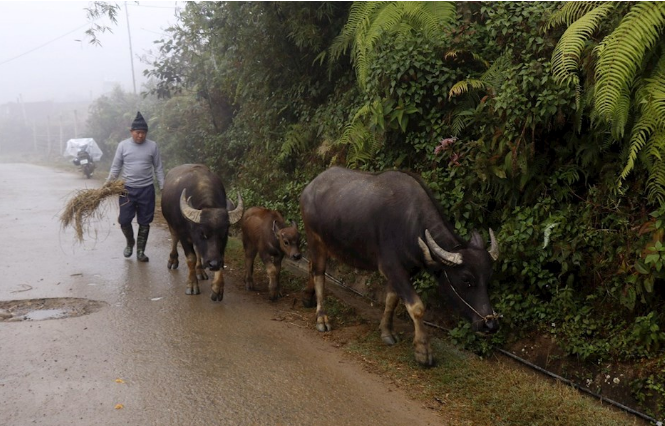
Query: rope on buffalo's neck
column 485, row 318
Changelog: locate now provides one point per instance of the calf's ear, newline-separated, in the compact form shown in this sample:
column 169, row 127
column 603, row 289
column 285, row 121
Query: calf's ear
column 275, row 228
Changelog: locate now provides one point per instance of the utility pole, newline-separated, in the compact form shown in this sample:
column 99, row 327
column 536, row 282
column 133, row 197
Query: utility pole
column 131, row 54
column 60, row 121
column 48, row 135
column 34, row 135
column 25, row 117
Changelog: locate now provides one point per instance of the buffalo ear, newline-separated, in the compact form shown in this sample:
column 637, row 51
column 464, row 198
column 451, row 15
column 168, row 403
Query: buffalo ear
column 275, row 228
column 293, row 224
column 477, row 240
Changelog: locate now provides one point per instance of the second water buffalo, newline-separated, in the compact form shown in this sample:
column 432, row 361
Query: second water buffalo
column 264, row 232
column 390, row 222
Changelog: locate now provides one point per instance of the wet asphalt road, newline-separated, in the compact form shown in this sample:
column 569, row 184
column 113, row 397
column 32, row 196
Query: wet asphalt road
column 152, row 355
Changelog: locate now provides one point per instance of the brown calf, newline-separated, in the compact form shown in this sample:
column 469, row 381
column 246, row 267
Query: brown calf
column 265, row 232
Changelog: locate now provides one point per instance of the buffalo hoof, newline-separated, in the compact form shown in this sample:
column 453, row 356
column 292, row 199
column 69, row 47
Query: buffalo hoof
column 201, row 275
column 323, row 327
column 217, row 297
column 172, row 265
column 390, row 339
column 192, row 291
column 249, row 286
column 322, row 324
column 424, row 356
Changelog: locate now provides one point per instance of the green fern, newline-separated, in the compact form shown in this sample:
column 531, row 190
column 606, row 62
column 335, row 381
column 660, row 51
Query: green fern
column 452, row 54
column 462, row 116
column 296, row 140
column 571, row 12
column 656, row 180
column 363, row 145
column 570, row 173
column 495, row 75
column 626, row 99
column 652, row 116
column 369, row 22
column 568, row 51
column 357, row 24
column 621, row 58
column 647, row 140
column 463, row 86
column 488, row 81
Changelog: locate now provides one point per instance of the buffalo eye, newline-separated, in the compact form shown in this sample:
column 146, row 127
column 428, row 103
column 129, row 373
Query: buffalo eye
column 467, row 281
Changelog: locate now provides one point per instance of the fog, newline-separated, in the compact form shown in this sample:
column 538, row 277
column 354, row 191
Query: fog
column 46, row 55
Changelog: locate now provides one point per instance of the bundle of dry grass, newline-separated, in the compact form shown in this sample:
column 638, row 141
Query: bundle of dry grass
column 84, row 206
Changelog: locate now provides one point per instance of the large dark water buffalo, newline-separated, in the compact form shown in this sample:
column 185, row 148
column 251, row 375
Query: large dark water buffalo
column 390, row 222
column 194, row 204
column 264, row 232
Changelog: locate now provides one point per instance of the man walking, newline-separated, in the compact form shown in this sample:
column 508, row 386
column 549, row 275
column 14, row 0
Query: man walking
column 139, row 160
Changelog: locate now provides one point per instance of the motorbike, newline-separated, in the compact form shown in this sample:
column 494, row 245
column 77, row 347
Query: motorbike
column 84, row 161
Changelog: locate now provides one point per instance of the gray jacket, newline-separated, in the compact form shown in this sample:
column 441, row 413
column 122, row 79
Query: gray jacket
column 137, row 163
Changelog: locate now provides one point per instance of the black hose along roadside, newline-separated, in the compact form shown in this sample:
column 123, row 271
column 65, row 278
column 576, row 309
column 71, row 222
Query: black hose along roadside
column 340, row 283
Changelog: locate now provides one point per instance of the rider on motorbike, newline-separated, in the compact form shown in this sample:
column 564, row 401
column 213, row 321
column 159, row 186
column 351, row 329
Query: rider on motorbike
column 84, row 159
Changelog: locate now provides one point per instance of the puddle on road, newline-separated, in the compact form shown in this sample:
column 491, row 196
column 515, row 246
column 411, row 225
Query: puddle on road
column 44, row 314
column 46, row 309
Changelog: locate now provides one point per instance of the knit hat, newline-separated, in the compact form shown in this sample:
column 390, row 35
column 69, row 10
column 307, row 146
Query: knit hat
column 139, row 123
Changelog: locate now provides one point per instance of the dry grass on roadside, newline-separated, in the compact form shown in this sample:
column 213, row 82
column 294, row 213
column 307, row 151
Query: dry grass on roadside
column 468, row 390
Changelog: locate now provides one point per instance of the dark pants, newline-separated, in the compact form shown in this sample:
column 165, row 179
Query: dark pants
column 139, row 202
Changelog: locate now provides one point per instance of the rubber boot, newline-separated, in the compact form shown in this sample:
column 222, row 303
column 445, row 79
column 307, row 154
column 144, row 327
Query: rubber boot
column 141, row 241
column 129, row 235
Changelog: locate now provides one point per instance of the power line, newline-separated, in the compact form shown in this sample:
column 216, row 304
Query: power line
column 43, row 45
column 76, row 29
column 154, row 32
column 153, row 7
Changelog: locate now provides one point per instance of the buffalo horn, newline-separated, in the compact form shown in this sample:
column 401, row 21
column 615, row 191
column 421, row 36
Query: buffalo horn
column 188, row 211
column 428, row 255
column 236, row 214
column 494, row 246
column 446, row 257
